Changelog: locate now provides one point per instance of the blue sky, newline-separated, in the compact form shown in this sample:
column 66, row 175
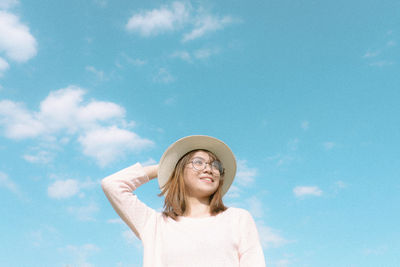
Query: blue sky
column 306, row 93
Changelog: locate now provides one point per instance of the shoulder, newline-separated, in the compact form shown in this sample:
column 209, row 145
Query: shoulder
column 238, row 213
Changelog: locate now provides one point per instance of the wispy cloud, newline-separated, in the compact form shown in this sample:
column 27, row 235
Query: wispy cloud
column 41, row 156
column 205, row 24
column 380, row 250
column 163, row 76
column 84, row 213
column 130, row 238
column 100, row 3
column 116, row 221
column 199, row 54
column 255, row 206
column 43, row 236
column 301, row 191
column 64, row 114
column 148, row 162
column 282, row 263
column 156, row 21
column 370, row 54
column 98, row 73
column 245, row 175
column 3, row 66
column 6, row 4
column 177, row 16
column 184, row 55
column 380, row 56
column 80, row 254
column 269, row 237
column 8, row 184
column 234, row 192
column 382, row 63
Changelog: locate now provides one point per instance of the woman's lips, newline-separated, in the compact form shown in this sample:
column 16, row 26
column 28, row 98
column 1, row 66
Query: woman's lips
column 207, row 179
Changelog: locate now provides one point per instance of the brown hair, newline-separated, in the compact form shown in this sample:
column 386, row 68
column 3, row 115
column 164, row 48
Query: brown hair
column 175, row 203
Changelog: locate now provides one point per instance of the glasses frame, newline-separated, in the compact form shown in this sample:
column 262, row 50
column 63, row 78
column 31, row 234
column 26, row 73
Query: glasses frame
column 219, row 171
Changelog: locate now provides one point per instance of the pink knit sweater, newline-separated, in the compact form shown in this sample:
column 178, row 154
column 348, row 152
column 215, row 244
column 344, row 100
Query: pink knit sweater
column 229, row 239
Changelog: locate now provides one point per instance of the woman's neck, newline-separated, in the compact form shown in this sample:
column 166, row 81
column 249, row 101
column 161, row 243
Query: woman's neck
column 198, row 207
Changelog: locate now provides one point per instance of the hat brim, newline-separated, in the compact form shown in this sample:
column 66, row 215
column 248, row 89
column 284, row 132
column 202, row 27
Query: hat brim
column 184, row 145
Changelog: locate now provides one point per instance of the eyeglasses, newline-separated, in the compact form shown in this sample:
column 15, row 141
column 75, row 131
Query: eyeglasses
column 200, row 164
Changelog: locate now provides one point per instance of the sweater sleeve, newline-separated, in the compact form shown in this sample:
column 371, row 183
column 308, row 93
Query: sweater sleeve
column 118, row 188
column 250, row 250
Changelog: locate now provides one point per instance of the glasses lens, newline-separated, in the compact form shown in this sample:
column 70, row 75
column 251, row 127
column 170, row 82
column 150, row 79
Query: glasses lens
column 198, row 164
column 217, row 166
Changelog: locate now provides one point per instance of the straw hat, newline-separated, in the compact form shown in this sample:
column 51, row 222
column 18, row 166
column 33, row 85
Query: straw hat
column 184, row 145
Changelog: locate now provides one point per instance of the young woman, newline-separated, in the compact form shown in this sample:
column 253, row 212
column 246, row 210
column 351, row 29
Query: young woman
column 195, row 228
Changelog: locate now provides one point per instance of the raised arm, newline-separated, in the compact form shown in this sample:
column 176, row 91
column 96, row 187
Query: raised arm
column 118, row 188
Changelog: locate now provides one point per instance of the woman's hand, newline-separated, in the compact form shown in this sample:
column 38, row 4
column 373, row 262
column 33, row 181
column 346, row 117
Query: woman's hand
column 151, row 171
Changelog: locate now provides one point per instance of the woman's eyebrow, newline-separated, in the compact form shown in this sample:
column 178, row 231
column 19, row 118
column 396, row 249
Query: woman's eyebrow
column 198, row 157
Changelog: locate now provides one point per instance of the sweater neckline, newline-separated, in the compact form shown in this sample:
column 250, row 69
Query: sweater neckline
column 184, row 218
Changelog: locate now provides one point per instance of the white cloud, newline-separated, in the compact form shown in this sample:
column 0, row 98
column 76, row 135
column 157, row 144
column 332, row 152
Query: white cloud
column 100, row 3
column 149, row 162
column 176, row 16
column 301, row 191
column 163, row 76
column 184, row 55
column 282, row 263
column 281, row 159
column 116, row 221
column 206, row 24
column 16, row 40
column 382, row 63
column 64, row 114
column 3, row 66
column 255, row 207
column 63, row 189
column 234, row 192
column 270, row 237
column 98, row 73
column 7, row 183
column 41, row 156
column 380, row 250
column 370, row 54
column 84, row 213
column 106, row 144
column 156, row 21
column 205, row 53
column 80, row 254
column 18, row 122
column 201, row 54
column 130, row 238
column 245, row 175
column 6, row 4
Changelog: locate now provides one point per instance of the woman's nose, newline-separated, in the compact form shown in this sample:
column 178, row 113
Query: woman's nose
column 208, row 168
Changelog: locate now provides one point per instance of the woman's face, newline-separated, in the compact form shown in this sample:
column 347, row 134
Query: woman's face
column 200, row 183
